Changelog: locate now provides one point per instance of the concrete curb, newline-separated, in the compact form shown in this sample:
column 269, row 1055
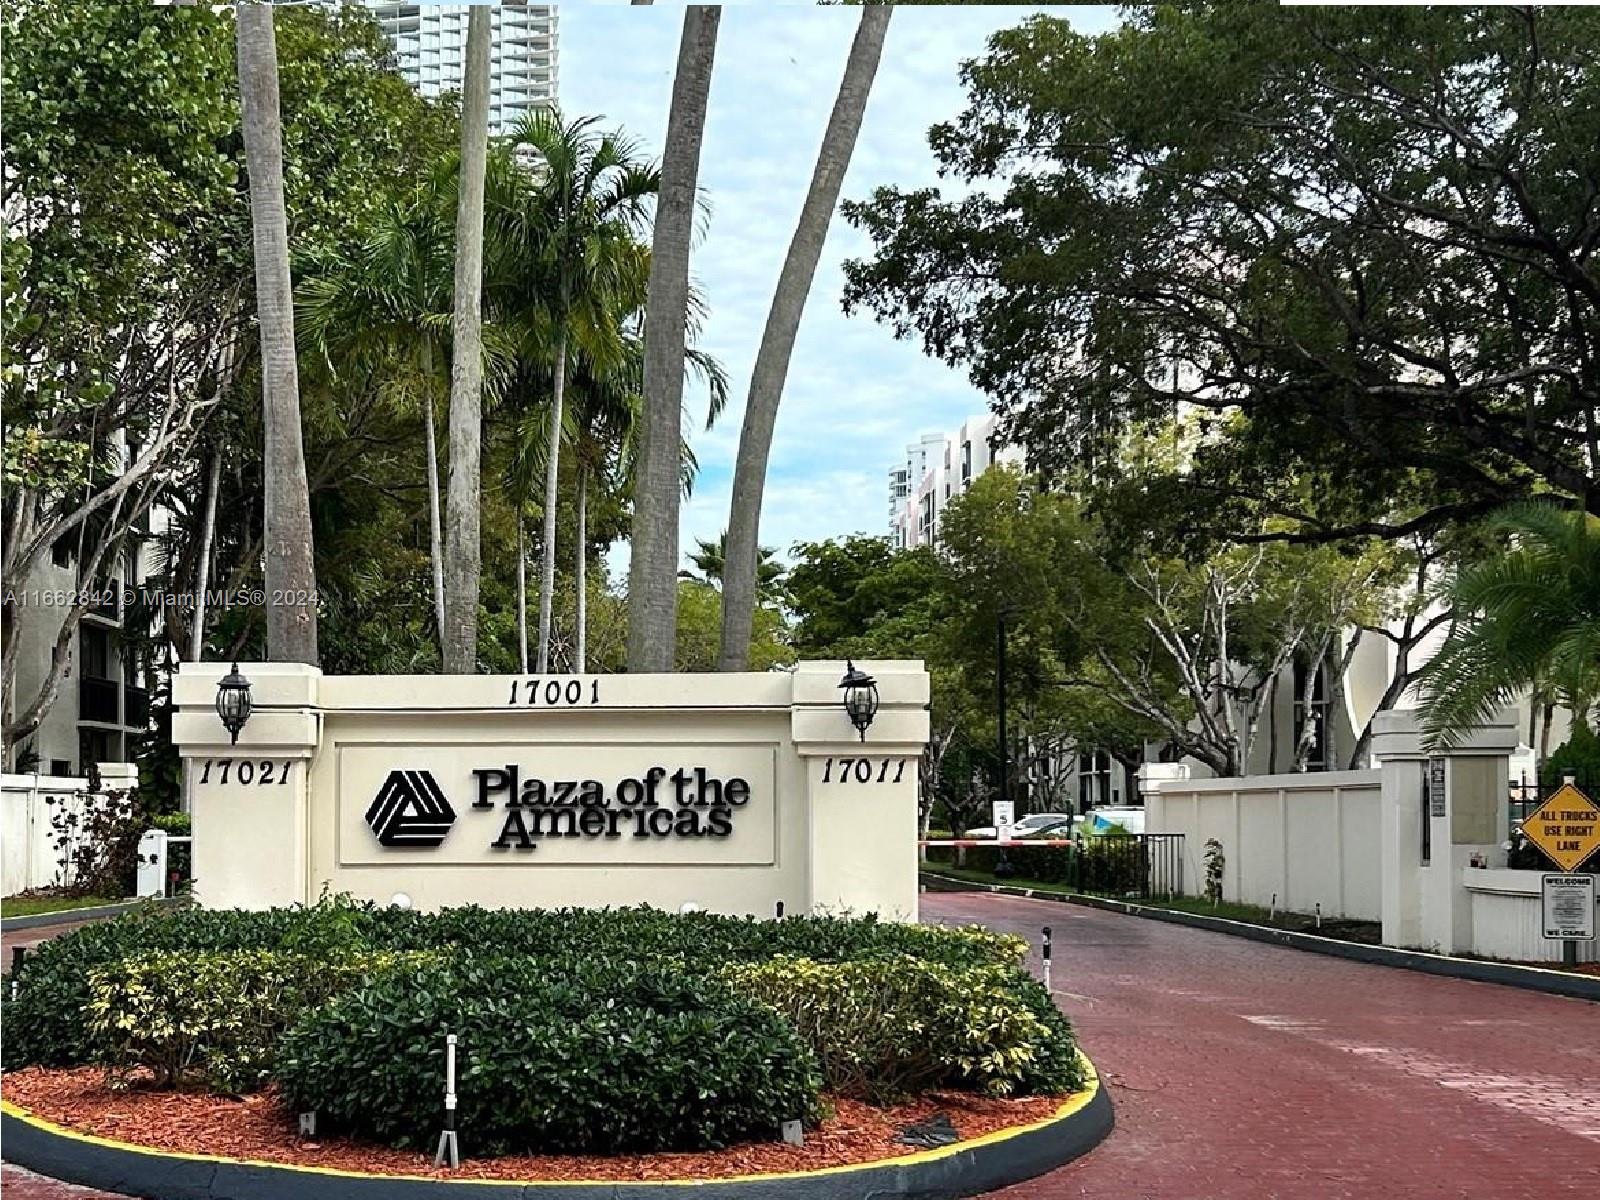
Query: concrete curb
column 71, row 916
column 1559, row 983
column 969, row 1168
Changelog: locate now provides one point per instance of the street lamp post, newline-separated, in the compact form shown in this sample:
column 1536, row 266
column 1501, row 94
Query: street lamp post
column 1002, row 867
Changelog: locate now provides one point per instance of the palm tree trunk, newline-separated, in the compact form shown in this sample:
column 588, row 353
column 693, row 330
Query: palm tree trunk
column 777, row 340
column 581, row 570
column 462, row 562
column 522, row 593
column 290, row 570
column 653, row 560
column 547, row 574
column 202, row 581
column 435, row 533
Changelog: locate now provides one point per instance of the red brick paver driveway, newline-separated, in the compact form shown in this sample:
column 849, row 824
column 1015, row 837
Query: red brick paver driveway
column 1245, row 1070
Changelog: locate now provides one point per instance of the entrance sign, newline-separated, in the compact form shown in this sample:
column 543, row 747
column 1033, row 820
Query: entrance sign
column 1568, row 907
column 579, row 803
column 1003, row 816
column 739, row 793
column 1566, row 827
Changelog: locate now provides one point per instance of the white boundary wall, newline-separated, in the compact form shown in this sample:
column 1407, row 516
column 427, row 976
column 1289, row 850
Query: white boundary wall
column 29, row 856
column 1307, row 839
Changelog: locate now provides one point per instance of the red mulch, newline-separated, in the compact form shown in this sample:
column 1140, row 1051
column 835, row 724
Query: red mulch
column 258, row 1127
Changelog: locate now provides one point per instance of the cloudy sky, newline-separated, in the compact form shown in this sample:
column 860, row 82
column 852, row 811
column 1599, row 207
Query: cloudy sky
column 855, row 396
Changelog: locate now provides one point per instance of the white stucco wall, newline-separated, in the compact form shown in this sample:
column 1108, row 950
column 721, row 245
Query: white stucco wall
column 292, row 817
column 1303, row 839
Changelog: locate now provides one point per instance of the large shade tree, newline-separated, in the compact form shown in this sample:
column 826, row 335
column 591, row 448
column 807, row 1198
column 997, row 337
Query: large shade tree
column 1360, row 240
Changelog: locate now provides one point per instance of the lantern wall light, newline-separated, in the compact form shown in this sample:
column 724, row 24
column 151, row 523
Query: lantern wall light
column 233, row 702
column 860, row 698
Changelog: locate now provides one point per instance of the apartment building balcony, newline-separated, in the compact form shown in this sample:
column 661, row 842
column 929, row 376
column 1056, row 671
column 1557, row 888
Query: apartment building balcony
column 108, row 612
column 99, row 700
column 135, row 707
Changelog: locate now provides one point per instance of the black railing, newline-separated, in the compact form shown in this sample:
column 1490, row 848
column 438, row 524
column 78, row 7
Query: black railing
column 108, row 593
column 135, row 707
column 97, row 699
column 1128, row 864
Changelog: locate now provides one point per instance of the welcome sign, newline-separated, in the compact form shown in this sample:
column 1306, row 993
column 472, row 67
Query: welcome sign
column 552, row 804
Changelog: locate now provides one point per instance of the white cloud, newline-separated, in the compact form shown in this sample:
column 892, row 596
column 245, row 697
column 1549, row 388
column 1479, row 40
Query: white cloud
column 855, row 396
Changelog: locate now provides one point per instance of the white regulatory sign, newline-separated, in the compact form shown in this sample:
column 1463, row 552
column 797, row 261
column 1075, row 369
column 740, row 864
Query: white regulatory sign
column 1004, row 816
column 1568, row 907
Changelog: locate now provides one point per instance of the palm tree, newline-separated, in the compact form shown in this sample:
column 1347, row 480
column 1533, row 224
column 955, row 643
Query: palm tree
column 711, row 558
column 653, row 560
column 462, row 563
column 1527, row 619
column 290, row 569
column 577, row 237
column 393, row 303
column 777, row 339
column 602, row 425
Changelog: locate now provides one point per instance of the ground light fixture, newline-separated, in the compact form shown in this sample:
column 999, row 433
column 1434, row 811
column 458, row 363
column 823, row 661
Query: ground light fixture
column 860, row 697
column 233, row 702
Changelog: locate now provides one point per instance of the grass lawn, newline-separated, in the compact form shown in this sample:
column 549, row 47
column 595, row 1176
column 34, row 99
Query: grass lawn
column 1354, row 931
column 28, row 906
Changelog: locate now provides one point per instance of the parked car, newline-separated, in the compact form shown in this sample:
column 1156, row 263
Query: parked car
column 1126, row 818
column 1025, row 826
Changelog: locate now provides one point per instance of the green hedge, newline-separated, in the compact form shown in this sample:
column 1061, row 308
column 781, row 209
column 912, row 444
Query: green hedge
column 1094, row 864
column 556, row 1055
column 215, row 1019
column 46, row 1023
column 885, row 1029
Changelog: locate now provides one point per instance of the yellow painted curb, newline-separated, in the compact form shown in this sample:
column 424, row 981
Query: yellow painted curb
column 1076, row 1103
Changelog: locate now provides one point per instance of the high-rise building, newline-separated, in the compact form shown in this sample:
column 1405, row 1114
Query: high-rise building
column 937, row 467
column 430, row 46
column 430, row 42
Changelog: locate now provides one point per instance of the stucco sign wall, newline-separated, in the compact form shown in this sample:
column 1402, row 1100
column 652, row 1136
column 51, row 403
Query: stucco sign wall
column 733, row 792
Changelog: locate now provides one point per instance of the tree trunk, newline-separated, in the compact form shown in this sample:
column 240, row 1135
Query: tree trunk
column 580, row 572
column 547, row 573
column 290, row 570
column 202, row 581
column 1272, row 725
column 522, row 593
column 653, row 558
column 462, row 562
column 435, row 533
column 777, row 339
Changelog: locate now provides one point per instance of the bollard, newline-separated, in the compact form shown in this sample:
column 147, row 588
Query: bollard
column 448, row 1147
column 1319, row 914
column 1272, row 913
column 18, row 955
column 1045, row 952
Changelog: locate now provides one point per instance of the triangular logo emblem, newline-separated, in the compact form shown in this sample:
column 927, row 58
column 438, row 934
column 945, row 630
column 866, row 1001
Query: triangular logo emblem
column 410, row 810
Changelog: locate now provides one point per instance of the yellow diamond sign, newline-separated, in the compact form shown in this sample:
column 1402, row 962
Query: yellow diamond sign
column 1566, row 827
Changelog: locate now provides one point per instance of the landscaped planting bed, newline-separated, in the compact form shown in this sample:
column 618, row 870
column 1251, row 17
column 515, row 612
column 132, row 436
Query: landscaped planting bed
column 582, row 1034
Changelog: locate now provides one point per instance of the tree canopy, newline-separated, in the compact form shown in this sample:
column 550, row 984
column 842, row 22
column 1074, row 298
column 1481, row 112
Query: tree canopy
column 1360, row 242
